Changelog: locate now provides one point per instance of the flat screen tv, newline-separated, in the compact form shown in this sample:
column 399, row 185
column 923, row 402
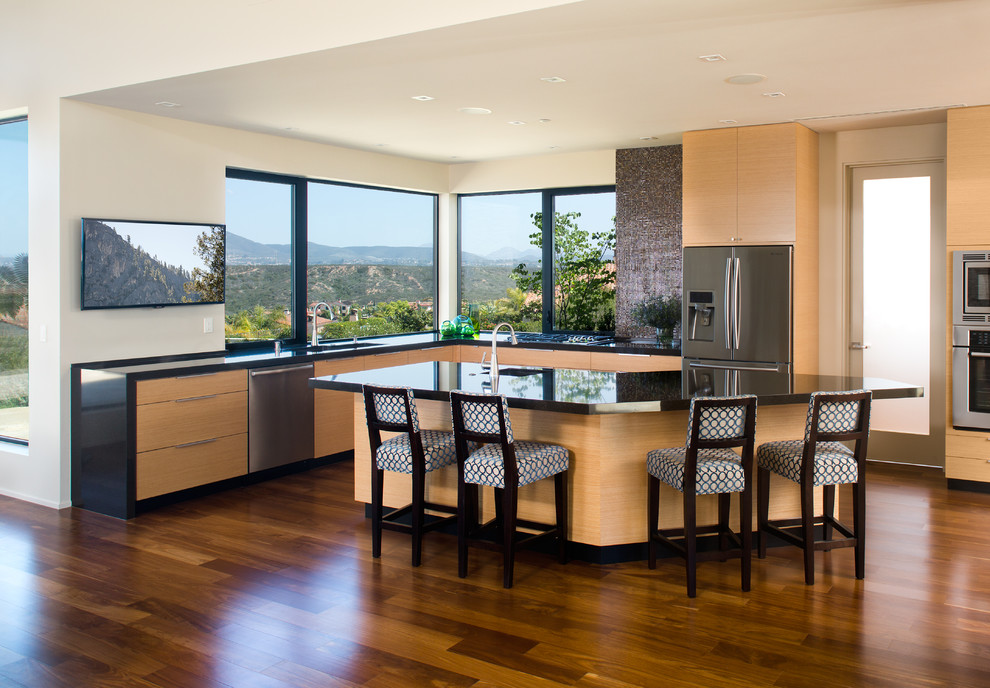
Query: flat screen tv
column 135, row 264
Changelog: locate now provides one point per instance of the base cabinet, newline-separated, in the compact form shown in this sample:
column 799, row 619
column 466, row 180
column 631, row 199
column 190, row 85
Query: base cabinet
column 967, row 456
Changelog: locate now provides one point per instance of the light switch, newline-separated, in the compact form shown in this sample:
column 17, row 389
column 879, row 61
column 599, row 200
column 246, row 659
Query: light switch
column 207, row 325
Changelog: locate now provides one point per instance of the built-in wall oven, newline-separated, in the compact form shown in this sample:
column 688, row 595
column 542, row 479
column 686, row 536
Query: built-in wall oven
column 971, row 339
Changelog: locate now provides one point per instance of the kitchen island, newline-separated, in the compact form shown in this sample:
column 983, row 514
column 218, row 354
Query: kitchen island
column 608, row 420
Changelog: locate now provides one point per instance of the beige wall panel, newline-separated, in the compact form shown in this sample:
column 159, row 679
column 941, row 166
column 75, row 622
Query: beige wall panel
column 177, row 468
column 709, row 187
column 186, row 386
column 169, row 423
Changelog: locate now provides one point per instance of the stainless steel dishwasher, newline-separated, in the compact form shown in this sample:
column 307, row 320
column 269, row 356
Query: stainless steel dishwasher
column 280, row 416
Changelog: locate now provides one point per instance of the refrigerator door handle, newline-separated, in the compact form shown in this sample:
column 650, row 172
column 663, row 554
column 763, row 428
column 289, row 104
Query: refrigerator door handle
column 726, row 302
column 737, row 315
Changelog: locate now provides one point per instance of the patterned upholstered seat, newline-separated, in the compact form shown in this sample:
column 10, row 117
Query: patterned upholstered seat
column 506, row 464
column 820, row 460
column 706, row 464
column 414, row 451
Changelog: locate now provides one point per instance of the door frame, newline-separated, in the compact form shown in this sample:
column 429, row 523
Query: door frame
column 891, row 446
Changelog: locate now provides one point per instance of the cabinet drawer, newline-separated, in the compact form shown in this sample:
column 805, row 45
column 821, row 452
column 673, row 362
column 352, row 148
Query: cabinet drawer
column 433, row 353
column 967, row 468
column 385, row 360
column 633, row 362
column 194, row 385
column 338, row 365
column 472, row 354
column 169, row 423
column 180, row 467
column 976, row 446
column 544, row 357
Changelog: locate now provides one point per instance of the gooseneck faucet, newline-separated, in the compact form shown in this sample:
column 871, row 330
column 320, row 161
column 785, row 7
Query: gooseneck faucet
column 494, row 361
column 315, row 341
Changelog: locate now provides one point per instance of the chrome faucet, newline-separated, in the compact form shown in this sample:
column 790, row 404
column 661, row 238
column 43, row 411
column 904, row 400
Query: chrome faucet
column 315, row 341
column 494, row 361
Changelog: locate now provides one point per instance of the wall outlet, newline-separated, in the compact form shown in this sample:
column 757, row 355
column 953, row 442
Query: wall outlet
column 207, row 325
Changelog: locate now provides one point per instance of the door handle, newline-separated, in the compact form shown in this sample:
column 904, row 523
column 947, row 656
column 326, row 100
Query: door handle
column 859, row 346
column 728, row 324
column 737, row 314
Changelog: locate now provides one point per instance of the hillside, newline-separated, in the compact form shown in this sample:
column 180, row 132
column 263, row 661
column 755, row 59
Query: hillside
column 118, row 273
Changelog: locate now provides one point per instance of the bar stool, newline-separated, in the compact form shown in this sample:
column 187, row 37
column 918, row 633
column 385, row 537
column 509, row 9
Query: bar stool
column 505, row 464
column 820, row 459
column 707, row 465
column 416, row 452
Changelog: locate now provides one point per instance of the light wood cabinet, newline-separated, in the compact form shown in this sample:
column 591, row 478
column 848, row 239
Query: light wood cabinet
column 333, row 426
column 633, row 363
column 189, row 430
column 968, row 177
column 543, row 357
column 967, row 455
column 750, row 185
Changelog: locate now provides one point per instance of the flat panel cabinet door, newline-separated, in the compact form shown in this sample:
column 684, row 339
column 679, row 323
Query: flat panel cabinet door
column 709, row 187
column 764, row 303
column 704, row 331
column 767, row 183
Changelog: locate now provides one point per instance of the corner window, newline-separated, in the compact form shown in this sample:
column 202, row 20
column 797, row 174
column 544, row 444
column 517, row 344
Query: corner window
column 13, row 281
column 362, row 258
column 505, row 243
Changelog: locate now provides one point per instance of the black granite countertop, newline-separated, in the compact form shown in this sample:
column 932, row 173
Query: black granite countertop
column 159, row 366
column 590, row 391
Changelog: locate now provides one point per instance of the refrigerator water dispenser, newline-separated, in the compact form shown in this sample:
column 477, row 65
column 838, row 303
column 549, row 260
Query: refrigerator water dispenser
column 701, row 307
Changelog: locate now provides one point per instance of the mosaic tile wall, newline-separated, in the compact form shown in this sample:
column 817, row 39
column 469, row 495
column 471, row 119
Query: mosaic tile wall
column 648, row 230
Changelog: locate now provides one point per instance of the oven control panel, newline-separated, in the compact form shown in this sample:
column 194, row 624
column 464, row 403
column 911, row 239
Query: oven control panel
column 979, row 339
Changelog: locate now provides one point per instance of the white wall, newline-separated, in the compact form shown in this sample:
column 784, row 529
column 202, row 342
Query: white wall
column 838, row 153
column 561, row 170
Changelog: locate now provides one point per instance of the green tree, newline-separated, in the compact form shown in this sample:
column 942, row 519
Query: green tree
column 584, row 275
column 208, row 282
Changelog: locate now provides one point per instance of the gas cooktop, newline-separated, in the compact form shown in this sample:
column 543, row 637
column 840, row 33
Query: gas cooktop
column 589, row 339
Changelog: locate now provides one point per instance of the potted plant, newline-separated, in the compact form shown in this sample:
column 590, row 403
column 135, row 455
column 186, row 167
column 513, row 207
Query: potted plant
column 662, row 313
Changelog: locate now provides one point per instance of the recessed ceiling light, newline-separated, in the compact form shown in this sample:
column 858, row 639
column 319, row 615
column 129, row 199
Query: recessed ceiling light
column 475, row 111
column 647, row 138
column 554, row 147
column 775, row 94
column 715, row 57
column 167, row 103
column 544, row 121
column 290, row 128
column 552, row 79
column 516, row 122
column 423, row 98
column 380, row 145
column 728, row 121
column 745, row 79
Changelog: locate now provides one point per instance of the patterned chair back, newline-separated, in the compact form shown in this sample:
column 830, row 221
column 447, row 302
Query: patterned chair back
column 838, row 415
column 480, row 416
column 391, row 408
column 721, row 419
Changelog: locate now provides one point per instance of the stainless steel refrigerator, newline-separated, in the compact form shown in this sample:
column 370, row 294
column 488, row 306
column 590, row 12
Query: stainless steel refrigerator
column 736, row 327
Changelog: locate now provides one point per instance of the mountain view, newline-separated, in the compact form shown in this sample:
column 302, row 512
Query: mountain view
column 242, row 251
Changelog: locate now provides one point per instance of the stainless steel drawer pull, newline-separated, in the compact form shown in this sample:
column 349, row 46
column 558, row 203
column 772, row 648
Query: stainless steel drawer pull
column 193, row 444
column 276, row 371
column 205, row 396
column 639, row 355
column 185, row 377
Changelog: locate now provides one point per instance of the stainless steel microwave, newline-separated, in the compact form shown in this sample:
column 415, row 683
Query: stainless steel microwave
column 970, row 287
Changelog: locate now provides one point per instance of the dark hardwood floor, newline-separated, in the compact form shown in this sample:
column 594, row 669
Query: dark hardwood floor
column 274, row 585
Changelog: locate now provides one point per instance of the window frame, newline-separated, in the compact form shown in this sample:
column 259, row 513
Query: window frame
column 547, row 208
column 7, row 439
column 300, row 242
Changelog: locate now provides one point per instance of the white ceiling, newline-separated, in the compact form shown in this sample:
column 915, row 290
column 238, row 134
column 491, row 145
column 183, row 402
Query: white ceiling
column 632, row 70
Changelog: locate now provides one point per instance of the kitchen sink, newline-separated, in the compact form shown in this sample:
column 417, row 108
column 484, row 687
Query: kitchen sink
column 520, row 372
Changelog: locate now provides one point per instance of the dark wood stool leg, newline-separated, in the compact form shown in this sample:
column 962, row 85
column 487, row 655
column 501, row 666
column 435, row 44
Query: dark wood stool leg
column 723, row 524
column 828, row 509
column 808, row 531
column 560, row 500
column 652, row 516
column 690, row 543
column 464, row 510
column 509, row 495
column 746, row 533
column 762, row 510
column 859, row 525
column 418, row 498
column 377, row 481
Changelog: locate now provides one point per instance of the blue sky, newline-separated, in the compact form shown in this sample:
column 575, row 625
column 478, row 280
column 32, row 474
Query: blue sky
column 13, row 188
column 172, row 244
